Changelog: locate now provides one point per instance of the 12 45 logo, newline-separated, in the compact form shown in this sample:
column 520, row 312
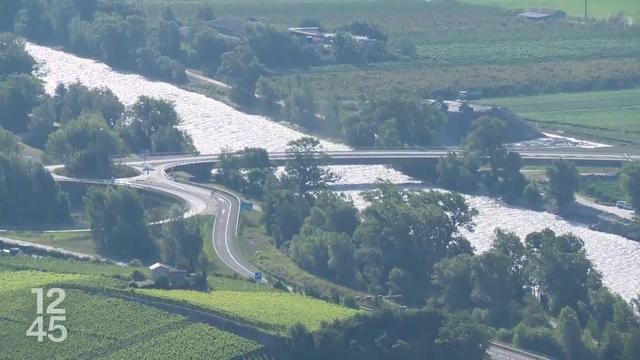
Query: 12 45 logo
column 55, row 332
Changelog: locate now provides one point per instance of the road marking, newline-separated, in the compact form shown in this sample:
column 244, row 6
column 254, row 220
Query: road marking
column 226, row 238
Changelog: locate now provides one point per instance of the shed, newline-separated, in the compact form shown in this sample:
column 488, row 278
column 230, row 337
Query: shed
column 159, row 271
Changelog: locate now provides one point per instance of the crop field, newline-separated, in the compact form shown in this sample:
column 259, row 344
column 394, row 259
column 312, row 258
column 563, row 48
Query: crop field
column 99, row 326
column 459, row 46
column 608, row 114
column 272, row 311
column 196, row 341
column 597, row 8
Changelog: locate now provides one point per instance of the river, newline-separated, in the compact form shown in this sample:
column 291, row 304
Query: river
column 214, row 125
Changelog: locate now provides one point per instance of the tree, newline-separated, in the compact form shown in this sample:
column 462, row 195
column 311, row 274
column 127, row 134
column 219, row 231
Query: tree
column 531, row 195
column 486, row 136
column 457, row 172
column 151, row 125
column 28, row 194
column 564, row 180
column 182, row 240
column 631, row 184
column 13, row 56
column 169, row 38
column 267, row 94
column 559, row 269
column 304, row 169
column 85, row 145
column 209, row 47
column 240, row 69
column 19, row 94
column 118, row 224
column 414, row 231
column 570, row 334
column 205, row 11
column 284, row 213
column 9, row 143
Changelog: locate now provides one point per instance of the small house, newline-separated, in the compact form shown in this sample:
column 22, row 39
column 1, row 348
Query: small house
column 175, row 276
column 159, row 271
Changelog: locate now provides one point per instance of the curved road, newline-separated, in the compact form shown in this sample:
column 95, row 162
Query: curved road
column 202, row 199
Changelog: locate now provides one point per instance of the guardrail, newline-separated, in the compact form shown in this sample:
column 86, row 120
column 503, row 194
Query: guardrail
column 512, row 349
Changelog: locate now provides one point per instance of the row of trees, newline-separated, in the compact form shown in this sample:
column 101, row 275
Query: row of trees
column 78, row 126
column 430, row 334
column 115, row 31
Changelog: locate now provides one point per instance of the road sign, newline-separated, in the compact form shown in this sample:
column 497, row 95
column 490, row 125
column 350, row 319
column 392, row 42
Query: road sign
column 258, row 276
column 246, row 206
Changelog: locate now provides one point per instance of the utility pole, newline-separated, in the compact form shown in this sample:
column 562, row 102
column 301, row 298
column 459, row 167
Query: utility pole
column 585, row 9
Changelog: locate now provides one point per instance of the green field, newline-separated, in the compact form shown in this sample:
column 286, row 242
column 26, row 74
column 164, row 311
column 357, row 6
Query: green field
column 81, row 242
column 597, row 8
column 100, row 326
column 611, row 115
column 272, row 311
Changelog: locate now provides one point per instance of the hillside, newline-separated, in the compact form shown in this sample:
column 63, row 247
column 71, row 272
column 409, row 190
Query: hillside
column 104, row 322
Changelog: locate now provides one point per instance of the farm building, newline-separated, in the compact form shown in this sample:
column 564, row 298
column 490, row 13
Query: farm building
column 543, row 14
column 159, row 271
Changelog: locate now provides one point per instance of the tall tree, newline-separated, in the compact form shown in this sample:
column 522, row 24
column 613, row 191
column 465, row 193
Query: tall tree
column 85, row 145
column 304, row 168
column 631, row 184
column 564, row 180
column 118, row 224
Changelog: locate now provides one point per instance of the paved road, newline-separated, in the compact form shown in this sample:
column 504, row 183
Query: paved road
column 193, row 75
column 625, row 214
column 370, row 157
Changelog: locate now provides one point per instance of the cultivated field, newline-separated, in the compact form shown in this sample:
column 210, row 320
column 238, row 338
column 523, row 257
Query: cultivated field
column 597, row 8
column 100, row 326
column 273, row 311
column 605, row 114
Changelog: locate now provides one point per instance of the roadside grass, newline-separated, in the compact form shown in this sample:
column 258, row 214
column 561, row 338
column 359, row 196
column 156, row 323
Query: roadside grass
column 598, row 9
column 81, row 242
column 213, row 263
column 257, row 247
column 603, row 114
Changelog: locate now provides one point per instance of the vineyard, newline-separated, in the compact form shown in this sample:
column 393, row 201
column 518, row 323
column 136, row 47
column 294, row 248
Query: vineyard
column 273, row 311
column 196, row 341
column 66, row 266
column 102, row 326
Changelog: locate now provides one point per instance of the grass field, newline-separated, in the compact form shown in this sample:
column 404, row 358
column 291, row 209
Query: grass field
column 605, row 114
column 597, row 8
column 271, row 311
column 81, row 242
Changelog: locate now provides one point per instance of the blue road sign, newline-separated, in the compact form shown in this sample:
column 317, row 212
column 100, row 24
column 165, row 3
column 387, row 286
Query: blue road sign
column 258, row 276
column 246, row 206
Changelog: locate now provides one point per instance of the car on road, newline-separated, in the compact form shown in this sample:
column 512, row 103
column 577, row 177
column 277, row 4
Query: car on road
column 624, row 205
